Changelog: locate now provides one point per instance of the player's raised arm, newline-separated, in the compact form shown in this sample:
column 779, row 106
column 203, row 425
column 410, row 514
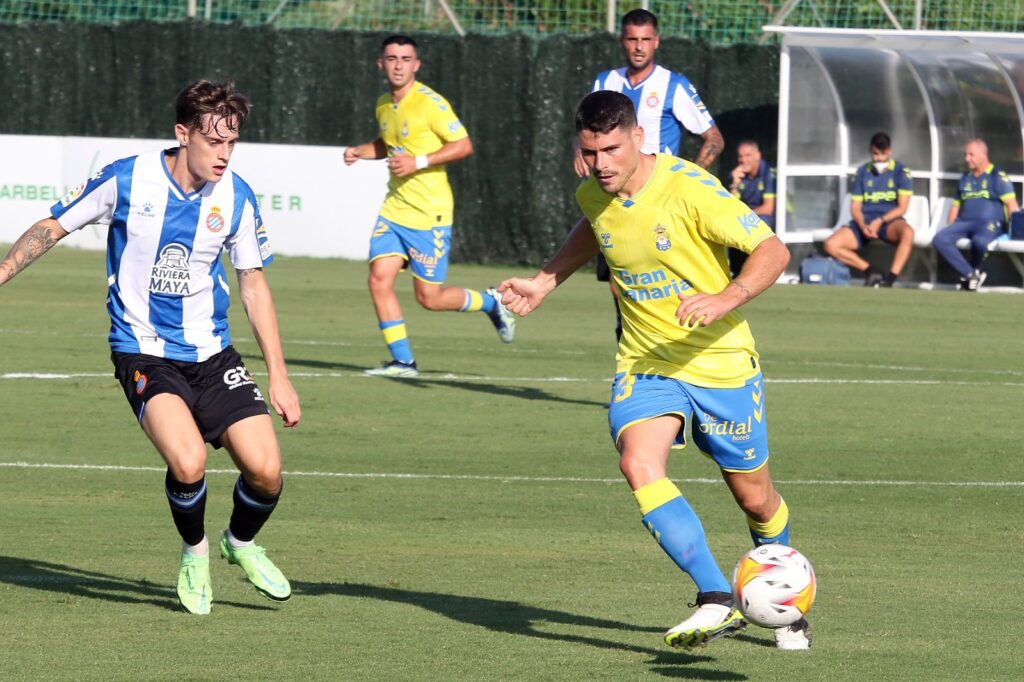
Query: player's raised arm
column 371, row 150
column 522, row 295
column 35, row 241
column 259, row 308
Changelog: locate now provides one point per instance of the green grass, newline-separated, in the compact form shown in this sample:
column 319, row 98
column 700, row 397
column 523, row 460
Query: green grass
column 515, row 552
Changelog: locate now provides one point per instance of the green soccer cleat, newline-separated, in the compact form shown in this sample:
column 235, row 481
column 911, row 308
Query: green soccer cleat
column 195, row 593
column 261, row 571
column 709, row 622
column 504, row 321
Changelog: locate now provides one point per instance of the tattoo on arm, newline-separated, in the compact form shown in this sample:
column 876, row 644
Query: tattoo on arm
column 248, row 271
column 713, row 145
column 742, row 287
column 36, row 241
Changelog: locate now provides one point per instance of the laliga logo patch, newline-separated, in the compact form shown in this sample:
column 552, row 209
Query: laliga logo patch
column 140, row 382
column 661, row 240
column 215, row 221
column 264, row 241
column 652, row 100
column 72, row 195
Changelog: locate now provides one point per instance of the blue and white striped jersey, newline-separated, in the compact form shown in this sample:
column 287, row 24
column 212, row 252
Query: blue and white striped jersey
column 665, row 102
column 167, row 291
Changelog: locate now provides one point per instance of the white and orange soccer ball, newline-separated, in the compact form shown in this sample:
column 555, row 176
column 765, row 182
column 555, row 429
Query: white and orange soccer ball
column 773, row 586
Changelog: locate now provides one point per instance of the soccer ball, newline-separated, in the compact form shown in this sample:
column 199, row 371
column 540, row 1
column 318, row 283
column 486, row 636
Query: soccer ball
column 773, row 586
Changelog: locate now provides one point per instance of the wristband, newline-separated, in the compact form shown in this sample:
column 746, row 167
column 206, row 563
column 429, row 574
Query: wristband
column 421, row 162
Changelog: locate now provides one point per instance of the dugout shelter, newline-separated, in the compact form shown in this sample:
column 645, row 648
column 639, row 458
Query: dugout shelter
column 932, row 91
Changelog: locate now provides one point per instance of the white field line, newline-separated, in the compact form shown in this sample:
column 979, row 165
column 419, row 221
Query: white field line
column 555, row 351
column 59, row 376
column 519, row 479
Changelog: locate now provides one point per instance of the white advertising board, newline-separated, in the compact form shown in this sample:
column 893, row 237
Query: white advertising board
column 312, row 203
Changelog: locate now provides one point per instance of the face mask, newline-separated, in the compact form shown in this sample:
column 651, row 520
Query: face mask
column 880, row 166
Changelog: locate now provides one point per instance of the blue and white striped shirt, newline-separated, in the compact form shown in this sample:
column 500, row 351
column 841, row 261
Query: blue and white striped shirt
column 665, row 102
column 167, row 291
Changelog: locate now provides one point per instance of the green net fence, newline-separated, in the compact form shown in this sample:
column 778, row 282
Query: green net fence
column 720, row 22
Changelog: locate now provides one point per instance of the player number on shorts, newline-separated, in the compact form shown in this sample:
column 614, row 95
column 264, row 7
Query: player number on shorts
column 624, row 388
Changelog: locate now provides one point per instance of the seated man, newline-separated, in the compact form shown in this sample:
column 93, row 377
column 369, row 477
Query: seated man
column 753, row 181
column 879, row 198
column 984, row 197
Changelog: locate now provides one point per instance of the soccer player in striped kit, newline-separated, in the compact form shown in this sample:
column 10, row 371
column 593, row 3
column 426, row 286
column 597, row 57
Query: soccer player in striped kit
column 665, row 103
column 171, row 214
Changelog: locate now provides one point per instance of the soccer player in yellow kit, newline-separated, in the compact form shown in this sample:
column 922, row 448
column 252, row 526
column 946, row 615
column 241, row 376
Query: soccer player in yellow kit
column 686, row 353
column 419, row 135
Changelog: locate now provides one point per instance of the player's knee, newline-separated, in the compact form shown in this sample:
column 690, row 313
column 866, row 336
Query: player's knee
column 377, row 282
column 759, row 502
column 429, row 299
column 266, row 481
column 831, row 246
column 188, row 469
column 637, row 469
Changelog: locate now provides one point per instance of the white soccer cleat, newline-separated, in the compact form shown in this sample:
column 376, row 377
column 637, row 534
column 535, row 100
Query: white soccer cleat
column 795, row 637
column 709, row 622
column 504, row 322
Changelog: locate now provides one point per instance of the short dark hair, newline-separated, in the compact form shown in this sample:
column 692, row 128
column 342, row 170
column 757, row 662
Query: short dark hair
column 639, row 17
column 219, row 98
column 398, row 39
column 604, row 111
column 881, row 142
column 749, row 143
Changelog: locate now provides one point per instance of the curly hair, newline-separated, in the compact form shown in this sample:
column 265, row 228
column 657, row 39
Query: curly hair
column 211, row 97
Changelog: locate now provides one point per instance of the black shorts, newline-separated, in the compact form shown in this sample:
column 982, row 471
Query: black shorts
column 219, row 391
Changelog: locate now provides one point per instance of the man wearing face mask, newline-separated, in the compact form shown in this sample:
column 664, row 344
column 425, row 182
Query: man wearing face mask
column 879, row 197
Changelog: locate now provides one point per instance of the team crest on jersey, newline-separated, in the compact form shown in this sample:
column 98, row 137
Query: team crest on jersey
column 72, row 195
column 652, row 100
column 405, row 129
column 606, row 240
column 215, row 221
column 661, row 240
column 171, row 273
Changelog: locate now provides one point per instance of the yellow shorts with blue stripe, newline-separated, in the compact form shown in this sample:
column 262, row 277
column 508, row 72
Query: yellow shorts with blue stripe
column 729, row 425
column 425, row 251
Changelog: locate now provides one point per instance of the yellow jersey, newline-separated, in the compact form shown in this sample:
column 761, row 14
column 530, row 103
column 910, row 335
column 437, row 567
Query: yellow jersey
column 670, row 239
column 421, row 123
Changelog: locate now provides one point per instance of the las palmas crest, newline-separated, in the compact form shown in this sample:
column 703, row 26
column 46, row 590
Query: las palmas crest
column 661, row 240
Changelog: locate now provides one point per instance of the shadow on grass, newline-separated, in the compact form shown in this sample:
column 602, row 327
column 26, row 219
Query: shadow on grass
column 430, row 379
column 59, row 578
column 514, row 618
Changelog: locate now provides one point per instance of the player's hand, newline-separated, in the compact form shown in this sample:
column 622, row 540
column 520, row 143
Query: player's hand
column 737, row 175
column 521, row 295
column 872, row 228
column 579, row 165
column 352, row 155
column 402, row 165
column 703, row 309
column 285, row 402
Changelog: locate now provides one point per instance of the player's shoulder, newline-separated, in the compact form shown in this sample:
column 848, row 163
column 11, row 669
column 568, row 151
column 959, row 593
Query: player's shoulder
column 383, row 100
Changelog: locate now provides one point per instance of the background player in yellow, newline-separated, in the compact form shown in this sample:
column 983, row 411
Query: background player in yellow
column 686, row 353
column 419, row 135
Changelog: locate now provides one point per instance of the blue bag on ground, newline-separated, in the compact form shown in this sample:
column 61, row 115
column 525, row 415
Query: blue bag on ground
column 1017, row 225
column 823, row 270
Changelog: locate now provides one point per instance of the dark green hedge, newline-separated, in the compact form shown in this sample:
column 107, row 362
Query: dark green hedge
column 516, row 95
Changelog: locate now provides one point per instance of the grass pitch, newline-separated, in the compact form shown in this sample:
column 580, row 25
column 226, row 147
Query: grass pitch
column 471, row 525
